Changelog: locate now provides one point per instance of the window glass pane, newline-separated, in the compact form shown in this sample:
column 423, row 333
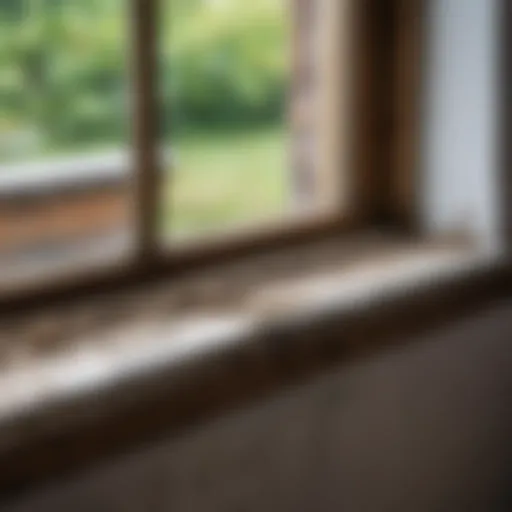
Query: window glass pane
column 63, row 132
column 241, row 117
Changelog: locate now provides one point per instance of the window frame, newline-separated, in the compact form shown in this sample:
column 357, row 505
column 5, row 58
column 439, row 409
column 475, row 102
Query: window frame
column 386, row 52
column 505, row 120
column 206, row 393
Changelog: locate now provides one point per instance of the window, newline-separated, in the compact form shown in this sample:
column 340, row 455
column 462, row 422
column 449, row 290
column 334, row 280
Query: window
column 64, row 167
column 244, row 89
column 147, row 135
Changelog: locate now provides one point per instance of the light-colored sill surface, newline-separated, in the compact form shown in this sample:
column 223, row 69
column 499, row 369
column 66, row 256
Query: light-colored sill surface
column 39, row 390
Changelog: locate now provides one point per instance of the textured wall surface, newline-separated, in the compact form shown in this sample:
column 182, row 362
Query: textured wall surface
column 460, row 188
column 424, row 428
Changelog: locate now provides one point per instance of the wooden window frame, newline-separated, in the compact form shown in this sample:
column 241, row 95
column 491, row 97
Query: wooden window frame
column 505, row 120
column 387, row 48
column 207, row 392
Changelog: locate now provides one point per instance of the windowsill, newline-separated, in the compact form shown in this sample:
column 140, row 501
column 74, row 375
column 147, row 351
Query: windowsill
column 279, row 330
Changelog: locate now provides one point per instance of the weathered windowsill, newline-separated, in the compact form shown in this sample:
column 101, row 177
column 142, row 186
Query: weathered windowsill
column 178, row 368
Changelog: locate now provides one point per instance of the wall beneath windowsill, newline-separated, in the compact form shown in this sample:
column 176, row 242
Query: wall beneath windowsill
column 422, row 425
column 152, row 377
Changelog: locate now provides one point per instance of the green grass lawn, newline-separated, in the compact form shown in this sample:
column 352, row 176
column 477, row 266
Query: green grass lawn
column 223, row 179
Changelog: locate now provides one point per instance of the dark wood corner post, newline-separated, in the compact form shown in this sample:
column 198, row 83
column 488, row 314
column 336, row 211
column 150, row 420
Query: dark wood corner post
column 505, row 119
column 409, row 72
column 389, row 38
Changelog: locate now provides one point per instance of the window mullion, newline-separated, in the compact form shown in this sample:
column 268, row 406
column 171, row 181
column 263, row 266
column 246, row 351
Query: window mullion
column 147, row 174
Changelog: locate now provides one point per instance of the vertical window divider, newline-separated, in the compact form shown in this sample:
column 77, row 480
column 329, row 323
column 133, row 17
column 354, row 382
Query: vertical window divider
column 145, row 127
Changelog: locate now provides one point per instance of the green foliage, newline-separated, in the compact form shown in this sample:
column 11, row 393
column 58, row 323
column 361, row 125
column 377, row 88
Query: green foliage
column 226, row 62
column 62, row 75
column 64, row 70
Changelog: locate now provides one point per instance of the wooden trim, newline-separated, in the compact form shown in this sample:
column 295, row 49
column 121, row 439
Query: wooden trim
column 505, row 119
column 333, row 132
column 67, row 217
column 373, row 77
column 410, row 22
column 371, row 163
column 161, row 407
column 147, row 175
column 127, row 274
column 390, row 38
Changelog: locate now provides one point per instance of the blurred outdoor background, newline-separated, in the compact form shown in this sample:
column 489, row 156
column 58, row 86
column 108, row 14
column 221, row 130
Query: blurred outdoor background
column 224, row 82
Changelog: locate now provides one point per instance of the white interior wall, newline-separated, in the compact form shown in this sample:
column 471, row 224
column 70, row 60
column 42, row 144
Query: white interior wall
column 461, row 152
